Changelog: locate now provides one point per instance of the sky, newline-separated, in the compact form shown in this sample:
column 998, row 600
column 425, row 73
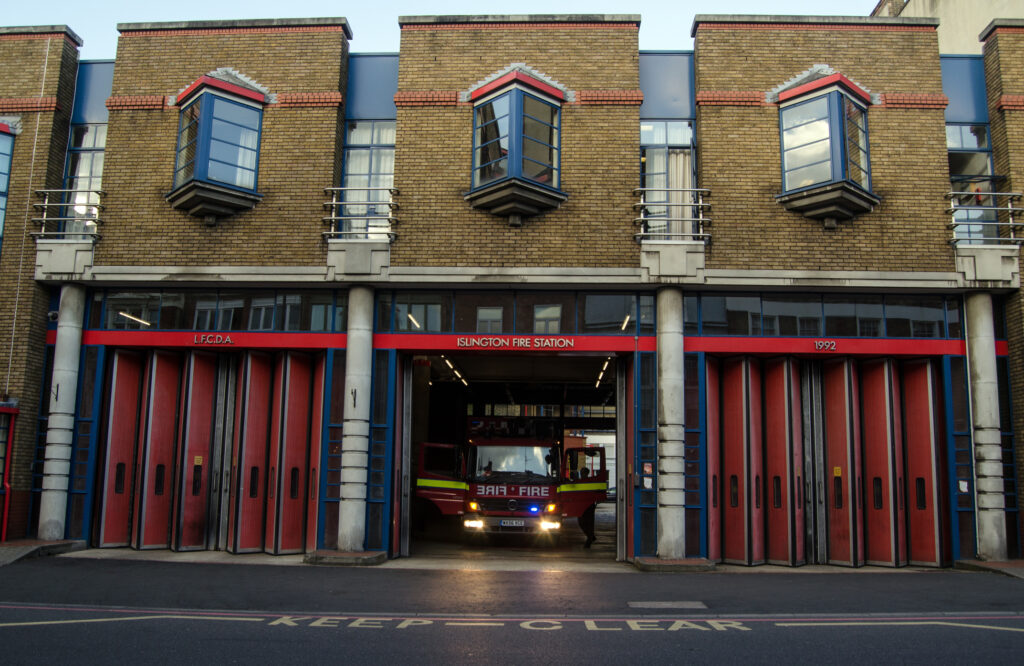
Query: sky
column 664, row 25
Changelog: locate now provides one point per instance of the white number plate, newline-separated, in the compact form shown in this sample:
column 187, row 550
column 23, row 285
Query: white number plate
column 513, row 523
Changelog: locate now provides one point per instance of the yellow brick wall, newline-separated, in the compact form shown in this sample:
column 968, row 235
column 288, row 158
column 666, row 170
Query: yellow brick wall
column 739, row 155
column 31, row 67
column 600, row 150
column 298, row 151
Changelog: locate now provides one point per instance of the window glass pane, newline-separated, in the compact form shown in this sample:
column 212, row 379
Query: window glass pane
column 791, row 315
column 914, row 317
column 608, row 313
column 423, row 312
column 953, row 139
column 953, row 317
column 547, row 319
column 853, row 317
column 492, row 131
column 540, row 131
column 357, row 161
column 226, row 173
column 680, row 133
column 234, row 134
column 490, row 319
column 232, row 155
column 807, row 176
column 236, row 113
column 652, row 132
column 969, row 164
column 489, row 172
column 731, row 315
column 540, row 110
column 806, row 112
column 200, row 311
column 483, row 312
column 359, row 131
column 384, row 132
column 809, row 154
column 133, row 310
column 801, row 135
column 172, row 311
column 646, row 307
column 691, row 314
column 551, row 313
column 975, row 136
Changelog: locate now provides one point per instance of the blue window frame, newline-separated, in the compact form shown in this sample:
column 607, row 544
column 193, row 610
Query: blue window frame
column 6, row 150
column 667, row 175
column 368, row 176
column 824, row 140
column 516, row 135
column 84, row 177
column 970, row 171
column 218, row 142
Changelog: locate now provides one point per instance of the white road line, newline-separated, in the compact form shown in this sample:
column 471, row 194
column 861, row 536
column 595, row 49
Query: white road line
column 882, row 623
column 667, row 604
column 132, row 619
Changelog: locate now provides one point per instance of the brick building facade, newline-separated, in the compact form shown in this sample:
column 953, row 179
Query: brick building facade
column 752, row 266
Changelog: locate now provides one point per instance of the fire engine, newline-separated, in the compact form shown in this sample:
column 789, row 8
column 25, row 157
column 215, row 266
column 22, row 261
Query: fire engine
column 514, row 485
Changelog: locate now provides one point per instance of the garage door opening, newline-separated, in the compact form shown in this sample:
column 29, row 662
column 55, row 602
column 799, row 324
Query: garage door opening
column 514, row 456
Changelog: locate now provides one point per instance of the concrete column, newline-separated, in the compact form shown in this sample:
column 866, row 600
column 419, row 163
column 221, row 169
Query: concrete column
column 671, row 429
column 355, row 439
column 60, row 428
column 988, row 454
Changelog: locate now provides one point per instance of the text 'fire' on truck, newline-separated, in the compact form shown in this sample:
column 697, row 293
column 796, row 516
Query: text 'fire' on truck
column 514, row 485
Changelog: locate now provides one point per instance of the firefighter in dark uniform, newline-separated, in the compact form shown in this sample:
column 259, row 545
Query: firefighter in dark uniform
column 586, row 519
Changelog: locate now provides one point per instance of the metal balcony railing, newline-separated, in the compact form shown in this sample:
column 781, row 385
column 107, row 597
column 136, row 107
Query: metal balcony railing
column 68, row 214
column 981, row 217
column 672, row 214
column 361, row 213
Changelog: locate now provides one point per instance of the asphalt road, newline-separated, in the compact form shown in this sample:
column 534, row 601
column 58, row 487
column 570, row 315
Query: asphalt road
column 100, row 611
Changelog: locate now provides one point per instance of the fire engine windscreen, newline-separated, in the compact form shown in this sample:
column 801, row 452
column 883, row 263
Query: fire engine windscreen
column 513, row 464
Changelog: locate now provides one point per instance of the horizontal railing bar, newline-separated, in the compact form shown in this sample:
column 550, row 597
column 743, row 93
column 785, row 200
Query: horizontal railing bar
column 42, row 192
column 43, row 220
column 640, row 190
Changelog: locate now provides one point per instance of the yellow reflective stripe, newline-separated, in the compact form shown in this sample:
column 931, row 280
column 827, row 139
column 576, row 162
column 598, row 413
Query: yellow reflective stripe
column 438, row 483
column 570, row 487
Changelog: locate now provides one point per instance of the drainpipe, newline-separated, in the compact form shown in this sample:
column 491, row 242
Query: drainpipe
column 60, row 427
column 671, row 429
column 356, row 433
column 988, row 452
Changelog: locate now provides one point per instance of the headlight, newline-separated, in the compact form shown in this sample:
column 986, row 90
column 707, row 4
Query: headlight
column 473, row 506
column 475, row 524
column 545, row 525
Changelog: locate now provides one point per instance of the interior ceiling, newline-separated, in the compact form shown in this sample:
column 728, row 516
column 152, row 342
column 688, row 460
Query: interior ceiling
column 524, row 369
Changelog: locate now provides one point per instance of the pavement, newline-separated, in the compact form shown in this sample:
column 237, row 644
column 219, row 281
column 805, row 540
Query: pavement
column 439, row 557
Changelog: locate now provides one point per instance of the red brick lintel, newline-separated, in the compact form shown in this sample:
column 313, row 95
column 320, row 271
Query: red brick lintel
column 308, row 99
column 284, row 101
column 756, row 98
column 1011, row 103
column 451, row 98
column 175, row 32
column 125, row 102
column 914, row 101
column 628, row 25
column 731, row 98
column 27, row 104
column 831, row 27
